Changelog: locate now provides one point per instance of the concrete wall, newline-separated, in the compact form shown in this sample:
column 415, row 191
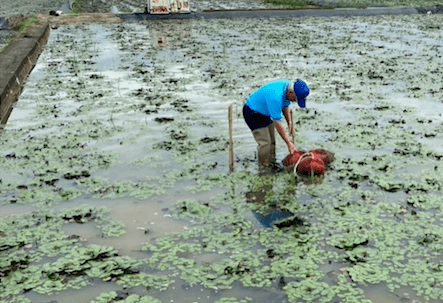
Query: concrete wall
column 16, row 63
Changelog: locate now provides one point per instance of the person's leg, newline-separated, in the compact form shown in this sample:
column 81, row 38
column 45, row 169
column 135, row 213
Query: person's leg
column 272, row 149
column 263, row 138
column 263, row 131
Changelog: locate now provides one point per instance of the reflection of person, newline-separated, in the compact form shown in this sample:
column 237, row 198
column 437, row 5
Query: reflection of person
column 263, row 111
column 269, row 219
column 273, row 213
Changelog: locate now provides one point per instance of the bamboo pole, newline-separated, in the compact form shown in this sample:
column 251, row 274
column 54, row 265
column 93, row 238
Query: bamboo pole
column 231, row 141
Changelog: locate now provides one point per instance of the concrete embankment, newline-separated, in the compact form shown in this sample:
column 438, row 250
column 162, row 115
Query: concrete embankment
column 17, row 61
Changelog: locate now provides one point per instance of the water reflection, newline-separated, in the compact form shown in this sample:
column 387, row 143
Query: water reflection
column 272, row 215
column 269, row 219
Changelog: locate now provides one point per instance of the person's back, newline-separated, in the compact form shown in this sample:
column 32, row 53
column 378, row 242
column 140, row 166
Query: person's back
column 270, row 99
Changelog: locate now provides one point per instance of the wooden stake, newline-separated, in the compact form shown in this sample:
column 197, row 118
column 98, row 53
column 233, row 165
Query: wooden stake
column 292, row 123
column 231, row 141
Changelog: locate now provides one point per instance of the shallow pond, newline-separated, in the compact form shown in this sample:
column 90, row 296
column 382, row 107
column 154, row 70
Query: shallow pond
column 115, row 182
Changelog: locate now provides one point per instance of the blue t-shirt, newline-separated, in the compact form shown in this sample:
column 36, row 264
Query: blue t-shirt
column 270, row 99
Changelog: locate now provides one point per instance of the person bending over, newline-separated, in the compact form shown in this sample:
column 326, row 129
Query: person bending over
column 263, row 112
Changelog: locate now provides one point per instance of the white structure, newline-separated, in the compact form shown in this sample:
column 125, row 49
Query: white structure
column 168, row 6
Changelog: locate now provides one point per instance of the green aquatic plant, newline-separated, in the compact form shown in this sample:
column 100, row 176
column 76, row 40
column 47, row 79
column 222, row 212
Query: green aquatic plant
column 72, row 270
column 102, row 187
column 309, row 290
column 368, row 273
column 373, row 219
column 234, row 300
column 106, row 297
column 112, row 297
column 17, row 299
column 142, row 279
column 28, row 238
column 113, row 229
column 191, row 209
column 360, row 254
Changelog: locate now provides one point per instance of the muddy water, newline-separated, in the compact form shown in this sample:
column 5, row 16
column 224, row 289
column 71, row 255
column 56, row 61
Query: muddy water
column 128, row 82
column 144, row 220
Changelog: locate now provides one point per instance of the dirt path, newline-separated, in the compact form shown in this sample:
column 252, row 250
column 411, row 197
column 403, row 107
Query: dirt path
column 82, row 18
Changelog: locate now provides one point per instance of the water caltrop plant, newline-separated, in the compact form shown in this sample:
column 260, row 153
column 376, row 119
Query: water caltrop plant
column 145, row 123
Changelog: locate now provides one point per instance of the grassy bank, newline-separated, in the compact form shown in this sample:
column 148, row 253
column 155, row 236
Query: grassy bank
column 76, row 7
column 24, row 25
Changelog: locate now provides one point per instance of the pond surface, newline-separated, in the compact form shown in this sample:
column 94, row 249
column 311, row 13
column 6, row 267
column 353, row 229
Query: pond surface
column 115, row 182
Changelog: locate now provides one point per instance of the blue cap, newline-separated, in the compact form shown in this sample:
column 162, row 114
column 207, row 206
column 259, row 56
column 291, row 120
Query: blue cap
column 301, row 90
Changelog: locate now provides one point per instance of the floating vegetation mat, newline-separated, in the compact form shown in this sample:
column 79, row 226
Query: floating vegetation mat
column 138, row 113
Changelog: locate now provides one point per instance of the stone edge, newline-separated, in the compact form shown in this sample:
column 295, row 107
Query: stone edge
column 30, row 46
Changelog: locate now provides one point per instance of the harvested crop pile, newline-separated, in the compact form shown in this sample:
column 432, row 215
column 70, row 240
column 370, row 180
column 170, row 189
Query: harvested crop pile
column 313, row 162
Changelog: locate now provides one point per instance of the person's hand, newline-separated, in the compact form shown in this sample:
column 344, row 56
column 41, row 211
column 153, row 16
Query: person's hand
column 292, row 148
column 293, row 132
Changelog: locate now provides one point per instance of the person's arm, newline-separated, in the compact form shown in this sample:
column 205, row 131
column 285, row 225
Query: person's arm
column 288, row 117
column 282, row 132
